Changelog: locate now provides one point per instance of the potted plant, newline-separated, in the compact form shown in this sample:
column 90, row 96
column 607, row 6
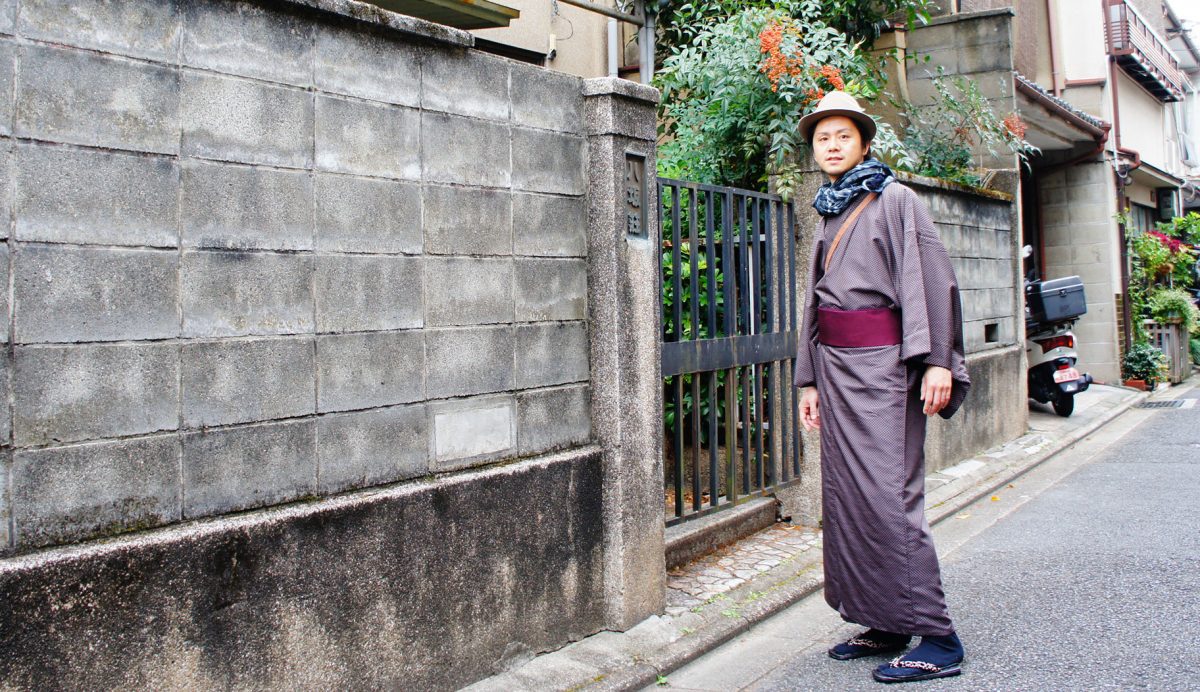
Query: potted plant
column 1143, row 366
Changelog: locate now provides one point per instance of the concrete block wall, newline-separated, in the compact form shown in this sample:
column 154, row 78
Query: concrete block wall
column 977, row 46
column 1079, row 238
column 261, row 252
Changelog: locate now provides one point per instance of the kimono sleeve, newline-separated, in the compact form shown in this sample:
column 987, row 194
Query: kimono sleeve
column 931, row 308
column 806, row 371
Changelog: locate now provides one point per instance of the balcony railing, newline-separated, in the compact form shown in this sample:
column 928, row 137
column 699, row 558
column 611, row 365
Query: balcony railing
column 1141, row 53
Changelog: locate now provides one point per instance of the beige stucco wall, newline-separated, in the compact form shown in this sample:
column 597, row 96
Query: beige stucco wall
column 1144, row 123
column 1081, row 31
column 579, row 37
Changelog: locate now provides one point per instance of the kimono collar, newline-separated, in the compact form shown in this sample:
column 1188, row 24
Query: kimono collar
column 872, row 175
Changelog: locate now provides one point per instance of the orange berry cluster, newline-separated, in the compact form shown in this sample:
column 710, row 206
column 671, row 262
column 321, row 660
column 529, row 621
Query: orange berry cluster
column 777, row 64
column 1015, row 126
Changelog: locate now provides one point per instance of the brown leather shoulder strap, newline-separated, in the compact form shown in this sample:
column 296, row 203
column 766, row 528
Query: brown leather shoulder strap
column 849, row 223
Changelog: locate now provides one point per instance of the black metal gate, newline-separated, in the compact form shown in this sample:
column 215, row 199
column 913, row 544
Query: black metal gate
column 729, row 342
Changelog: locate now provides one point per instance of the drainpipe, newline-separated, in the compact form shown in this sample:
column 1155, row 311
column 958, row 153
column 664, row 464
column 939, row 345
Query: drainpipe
column 1127, row 319
column 1052, row 27
column 612, row 48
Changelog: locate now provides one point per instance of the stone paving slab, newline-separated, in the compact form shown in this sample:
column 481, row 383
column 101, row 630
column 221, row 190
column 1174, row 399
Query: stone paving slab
column 713, row 599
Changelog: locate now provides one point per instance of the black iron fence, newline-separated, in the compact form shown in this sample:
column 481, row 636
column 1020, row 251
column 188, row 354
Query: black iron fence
column 729, row 339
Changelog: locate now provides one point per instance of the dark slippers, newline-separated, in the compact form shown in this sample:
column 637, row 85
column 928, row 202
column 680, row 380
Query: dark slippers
column 870, row 643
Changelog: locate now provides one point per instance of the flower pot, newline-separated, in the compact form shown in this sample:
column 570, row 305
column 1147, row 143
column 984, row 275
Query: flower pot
column 1136, row 384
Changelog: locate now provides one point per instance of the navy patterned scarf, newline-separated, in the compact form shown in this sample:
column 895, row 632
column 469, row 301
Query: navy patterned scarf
column 872, row 175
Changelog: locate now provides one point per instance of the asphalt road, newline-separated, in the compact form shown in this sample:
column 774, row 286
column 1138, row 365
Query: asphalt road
column 1084, row 574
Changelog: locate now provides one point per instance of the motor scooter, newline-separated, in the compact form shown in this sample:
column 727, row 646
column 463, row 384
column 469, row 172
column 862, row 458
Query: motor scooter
column 1051, row 310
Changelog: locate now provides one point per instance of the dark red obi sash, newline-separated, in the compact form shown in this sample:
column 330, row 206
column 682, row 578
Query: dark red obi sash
column 858, row 328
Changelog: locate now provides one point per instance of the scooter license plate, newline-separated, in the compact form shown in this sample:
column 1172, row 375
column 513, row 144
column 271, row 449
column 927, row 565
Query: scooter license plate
column 1068, row 375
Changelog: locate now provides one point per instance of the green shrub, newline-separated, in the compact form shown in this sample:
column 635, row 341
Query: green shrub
column 1144, row 362
column 1169, row 304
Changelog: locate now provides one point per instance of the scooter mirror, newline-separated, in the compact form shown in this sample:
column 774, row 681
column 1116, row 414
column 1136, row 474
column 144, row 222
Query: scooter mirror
column 1027, row 251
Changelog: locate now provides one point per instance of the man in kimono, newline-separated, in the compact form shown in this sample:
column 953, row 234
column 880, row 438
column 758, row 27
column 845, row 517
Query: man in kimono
column 881, row 348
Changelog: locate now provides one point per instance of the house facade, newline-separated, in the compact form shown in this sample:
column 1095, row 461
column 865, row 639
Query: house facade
column 1106, row 88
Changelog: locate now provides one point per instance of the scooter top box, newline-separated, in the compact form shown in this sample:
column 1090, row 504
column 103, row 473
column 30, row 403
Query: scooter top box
column 1057, row 300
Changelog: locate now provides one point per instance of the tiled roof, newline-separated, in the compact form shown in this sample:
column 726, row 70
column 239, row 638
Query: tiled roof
column 1060, row 102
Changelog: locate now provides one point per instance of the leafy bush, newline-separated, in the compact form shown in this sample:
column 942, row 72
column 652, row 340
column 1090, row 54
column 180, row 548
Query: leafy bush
column 1144, row 362
column 733, row 99
column 1195, row 349
column 1169, row 304
column 941, row 137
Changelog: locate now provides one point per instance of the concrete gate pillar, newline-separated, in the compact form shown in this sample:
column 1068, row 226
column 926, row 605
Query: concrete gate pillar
column 624, row 313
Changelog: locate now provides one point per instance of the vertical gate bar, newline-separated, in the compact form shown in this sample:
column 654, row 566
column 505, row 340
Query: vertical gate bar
column 744, row 438
column 693, row 262
column 697, row 503
column 678, row 441
column 794, row 325
column 727, row 264
column 768, row 268
column 755, row 326
column 743, row 287
column 676, row 270
column 731, row 435
column 710, row 256
column 677, row 323
column 786, row 297
column 714, row 475
column 771, row 300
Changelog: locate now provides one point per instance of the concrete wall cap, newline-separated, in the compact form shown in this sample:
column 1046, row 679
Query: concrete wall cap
column 938, row 184
column 614, row 86
column 373, row 14
column 967, row 16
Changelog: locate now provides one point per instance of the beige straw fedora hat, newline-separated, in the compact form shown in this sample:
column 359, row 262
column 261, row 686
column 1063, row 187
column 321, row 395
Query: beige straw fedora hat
column 838, row 103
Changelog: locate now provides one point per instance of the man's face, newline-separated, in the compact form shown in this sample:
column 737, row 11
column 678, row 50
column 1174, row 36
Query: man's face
column 837, row 145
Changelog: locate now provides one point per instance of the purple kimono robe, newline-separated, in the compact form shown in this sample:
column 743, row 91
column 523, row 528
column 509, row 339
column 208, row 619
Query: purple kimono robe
column 881, row 569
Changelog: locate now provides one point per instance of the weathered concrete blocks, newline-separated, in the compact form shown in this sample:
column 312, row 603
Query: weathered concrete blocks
column 367, row 65
column 8, row 14
column 8, row 56
column 367, row 448
column 5, row 504
column 466, row 291
column 484, row 160
column 70, row 493
column 81, row 98
column 550, row 289
column 362, row 215
column 71, row 393
column 548, row 162
column 242, row 207
column 550, row 354
column 5, row 411
column 356, row 294
column 360, row 371
column 467, row 83
column 228, row 382
column 234, row 119
column 245, row 467
column 987, row 303
column 6, row 193
column 96, row 197
column 549, row 419
column 95, row 294
column 471, row 431
column 239, row 293
column 248, row 39
column 138, row 29
column 468, row 221
column 368, row 139
column 461, row 362
column 549, row 226
column 546, row 99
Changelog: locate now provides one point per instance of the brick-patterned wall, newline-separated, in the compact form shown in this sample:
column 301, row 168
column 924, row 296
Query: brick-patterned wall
column 259, row 253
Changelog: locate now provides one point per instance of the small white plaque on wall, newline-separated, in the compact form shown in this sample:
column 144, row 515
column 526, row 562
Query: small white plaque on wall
column 473, row 432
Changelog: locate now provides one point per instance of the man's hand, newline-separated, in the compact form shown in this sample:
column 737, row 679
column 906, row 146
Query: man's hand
column 935, row 389
column 810, row 409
